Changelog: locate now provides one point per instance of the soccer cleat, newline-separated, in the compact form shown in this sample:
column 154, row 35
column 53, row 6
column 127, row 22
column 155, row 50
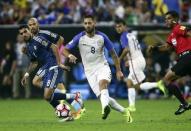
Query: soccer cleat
column 79, row 113
column 162, row 87
column 106, row 112
column 67, row 119
column 78, row 99
column 128, row 116
column 132, row 108
column 182, row 108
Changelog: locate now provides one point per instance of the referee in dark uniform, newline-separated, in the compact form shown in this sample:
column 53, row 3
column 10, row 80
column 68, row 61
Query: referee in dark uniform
column 180, row 41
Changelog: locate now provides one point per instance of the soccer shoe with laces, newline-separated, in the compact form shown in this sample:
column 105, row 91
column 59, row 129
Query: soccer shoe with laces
column 162, row 87
column 182, row 108
column 132, row 108
column 128, row 116
column 106, row 112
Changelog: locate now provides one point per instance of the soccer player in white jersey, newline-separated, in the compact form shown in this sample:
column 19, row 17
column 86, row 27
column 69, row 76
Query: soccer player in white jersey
column 91, row 45
column 136, row 61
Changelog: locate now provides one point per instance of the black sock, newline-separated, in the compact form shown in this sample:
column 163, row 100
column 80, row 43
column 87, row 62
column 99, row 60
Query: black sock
column 70, row 101
column 177, row 93
column 54, row 103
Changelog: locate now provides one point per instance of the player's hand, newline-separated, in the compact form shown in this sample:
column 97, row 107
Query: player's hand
column 24, row 80
column 72, row 58
column 120, row 75
column 67, row 68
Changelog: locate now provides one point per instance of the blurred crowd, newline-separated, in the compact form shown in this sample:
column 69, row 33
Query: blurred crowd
column 71, row 11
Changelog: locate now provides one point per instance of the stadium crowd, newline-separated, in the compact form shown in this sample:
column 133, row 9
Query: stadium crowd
column 71, row 11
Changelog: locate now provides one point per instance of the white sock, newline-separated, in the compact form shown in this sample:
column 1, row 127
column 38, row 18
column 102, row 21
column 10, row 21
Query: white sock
column 148, row 85
column 115, row 105
column 131, row 96
column 104, row 98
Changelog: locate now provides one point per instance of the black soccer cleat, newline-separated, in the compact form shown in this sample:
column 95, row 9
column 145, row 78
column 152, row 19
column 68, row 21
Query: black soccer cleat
column 107, row 110
column 182, row 108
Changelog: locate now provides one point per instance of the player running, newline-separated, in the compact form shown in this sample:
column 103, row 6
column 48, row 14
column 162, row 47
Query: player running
column 179, row 40
column 132, row 51
column 58, row 40
column 41, row 50
column 91, row 45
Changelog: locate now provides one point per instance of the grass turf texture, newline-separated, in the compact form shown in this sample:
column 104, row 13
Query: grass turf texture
column 37, row 115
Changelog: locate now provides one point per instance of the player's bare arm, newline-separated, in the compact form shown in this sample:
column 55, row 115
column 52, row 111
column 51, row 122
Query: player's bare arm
column 72, row 58
column 162, row 48
column 60, row 41
column 30, row 69
column 55, row 51
column 117, row 64
column 124, row 53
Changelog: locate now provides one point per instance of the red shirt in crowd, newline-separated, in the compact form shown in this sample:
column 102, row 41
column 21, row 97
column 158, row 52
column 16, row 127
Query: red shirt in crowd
column 178, row 39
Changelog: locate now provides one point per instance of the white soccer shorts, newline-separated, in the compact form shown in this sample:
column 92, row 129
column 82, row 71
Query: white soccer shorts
column 136, row 70
column 102, row 73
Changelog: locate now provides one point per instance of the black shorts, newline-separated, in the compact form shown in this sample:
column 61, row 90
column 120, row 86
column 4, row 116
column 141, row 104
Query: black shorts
column 183, row 65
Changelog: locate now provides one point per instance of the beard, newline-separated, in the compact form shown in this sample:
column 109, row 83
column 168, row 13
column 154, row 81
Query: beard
column 90, row 30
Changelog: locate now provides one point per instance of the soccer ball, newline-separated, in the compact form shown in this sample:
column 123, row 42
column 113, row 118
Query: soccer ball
column 62, row 111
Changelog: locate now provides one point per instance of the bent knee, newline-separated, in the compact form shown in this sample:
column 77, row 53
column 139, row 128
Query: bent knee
column 47, row 97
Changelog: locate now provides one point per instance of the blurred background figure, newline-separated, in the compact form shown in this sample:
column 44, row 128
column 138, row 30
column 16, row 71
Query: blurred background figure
column 22, row 62
column 7, row 66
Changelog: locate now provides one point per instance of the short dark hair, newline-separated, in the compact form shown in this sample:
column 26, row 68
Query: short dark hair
column 23, row 26
column 120, row 21
column 89, row 16
column 174, row 14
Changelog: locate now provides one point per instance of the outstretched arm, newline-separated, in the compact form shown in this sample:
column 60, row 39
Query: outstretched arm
column 71, row 57
column 162, row 48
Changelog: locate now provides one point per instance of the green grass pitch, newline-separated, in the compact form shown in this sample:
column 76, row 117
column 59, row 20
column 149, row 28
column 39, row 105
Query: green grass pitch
column 37, row 115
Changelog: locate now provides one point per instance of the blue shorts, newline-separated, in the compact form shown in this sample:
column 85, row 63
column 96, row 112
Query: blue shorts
column 52, row 77
column 42, row 71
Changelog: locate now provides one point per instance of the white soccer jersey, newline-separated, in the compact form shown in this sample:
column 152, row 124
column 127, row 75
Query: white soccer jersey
column 130, row 41
column 91, row 49
column 135, row 57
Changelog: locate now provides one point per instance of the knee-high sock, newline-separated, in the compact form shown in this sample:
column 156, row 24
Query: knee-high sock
column 104, row 98
column 148, row 85
column 54, row 103
column 131, row 96
column 176, row 92
column 115, row 105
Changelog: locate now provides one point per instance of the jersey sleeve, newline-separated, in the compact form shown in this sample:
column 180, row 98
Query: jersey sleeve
column 107, row 42
column 124, row 40
column 52, row 37
column 42, row 42
column 74, row 42
column 180, row 30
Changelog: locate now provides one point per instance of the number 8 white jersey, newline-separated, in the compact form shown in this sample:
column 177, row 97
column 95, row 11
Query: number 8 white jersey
column 130, row 41
column 91, row 49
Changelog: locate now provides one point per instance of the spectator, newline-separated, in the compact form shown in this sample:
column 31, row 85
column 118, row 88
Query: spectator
column 22, row 62
column 7, row 66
